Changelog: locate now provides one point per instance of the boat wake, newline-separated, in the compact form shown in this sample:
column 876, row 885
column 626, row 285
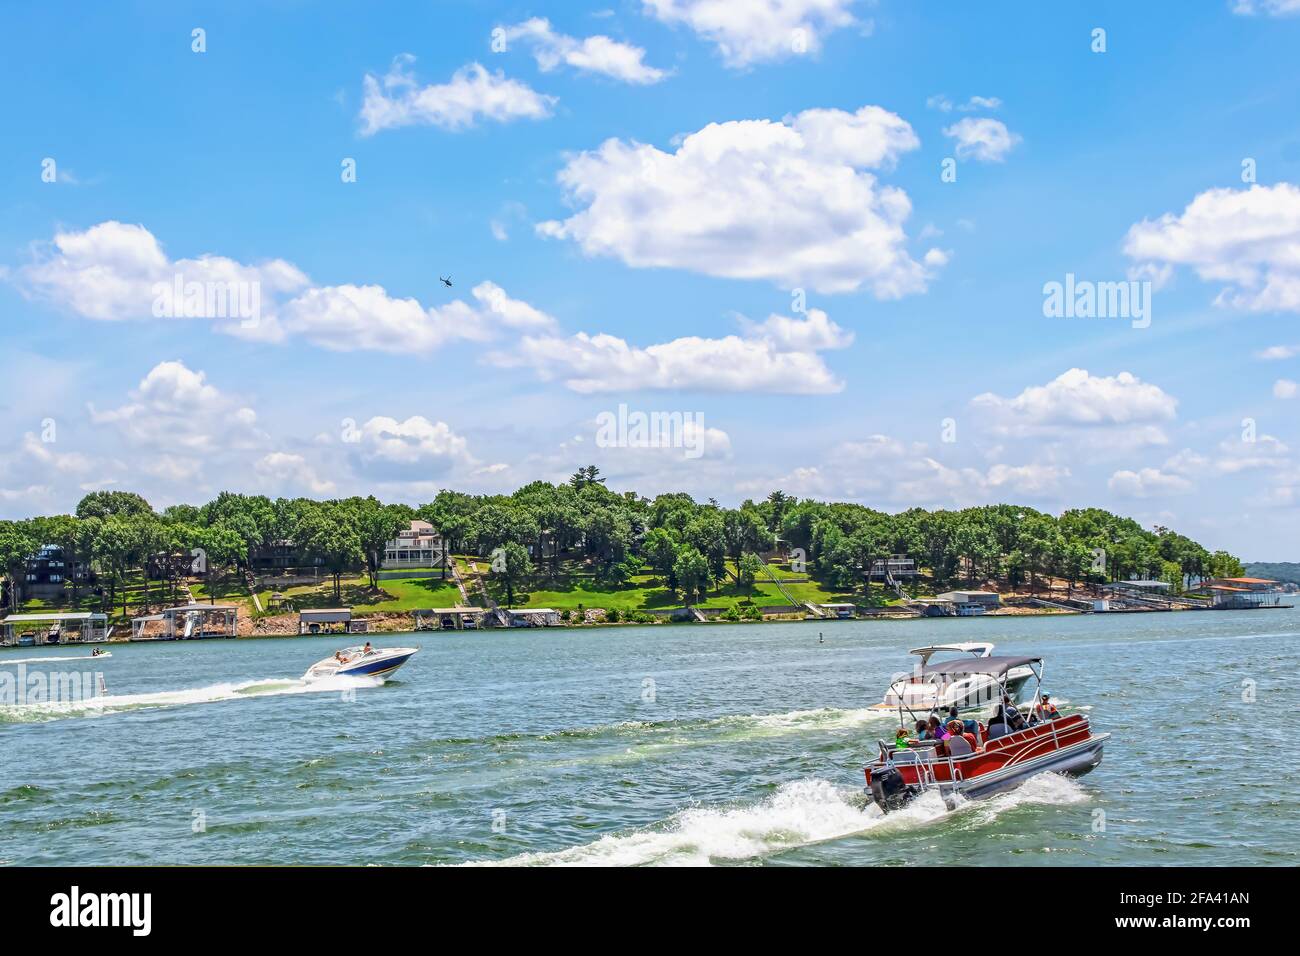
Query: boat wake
column 61, row 657
column 799, row 814
column 213, row 693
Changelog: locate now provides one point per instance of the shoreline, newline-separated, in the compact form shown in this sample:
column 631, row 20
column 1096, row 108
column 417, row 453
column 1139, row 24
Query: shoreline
column 409, row 628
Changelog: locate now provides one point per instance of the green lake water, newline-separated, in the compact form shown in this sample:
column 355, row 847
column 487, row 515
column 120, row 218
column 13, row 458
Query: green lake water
column 691, row 744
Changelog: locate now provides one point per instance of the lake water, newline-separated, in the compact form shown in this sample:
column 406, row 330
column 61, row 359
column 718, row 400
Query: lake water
column 723, row 744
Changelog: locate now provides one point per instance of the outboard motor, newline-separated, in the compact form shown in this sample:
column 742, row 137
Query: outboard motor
column 889, row 790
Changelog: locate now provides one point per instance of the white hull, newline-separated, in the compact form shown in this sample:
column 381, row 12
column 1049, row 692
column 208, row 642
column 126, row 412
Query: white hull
column 970, row 693
column 381, row 662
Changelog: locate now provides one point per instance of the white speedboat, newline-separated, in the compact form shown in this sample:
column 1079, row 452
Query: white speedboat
column 938, row 685
column 361, row 661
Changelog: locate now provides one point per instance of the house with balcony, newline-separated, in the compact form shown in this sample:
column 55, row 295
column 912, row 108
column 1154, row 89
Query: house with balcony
column 895, row 567
column 417, row 547
column 48, row 573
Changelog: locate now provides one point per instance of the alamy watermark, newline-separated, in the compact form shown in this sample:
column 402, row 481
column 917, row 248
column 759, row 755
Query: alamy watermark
column 209, row 299
column 625, row 429
column 1084, row 299
column 48, row 687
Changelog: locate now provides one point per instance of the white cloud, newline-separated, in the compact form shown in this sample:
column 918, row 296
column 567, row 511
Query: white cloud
column 884, row 469
column 933, row 481
column 413, row 449
column 944, row 105
column 1077, row 398
column 1248, row 240
column 751, row 31
column 472, row 94
column 1284, row 388
column 291, row 472
column 348, row 317
column 595, row 54
column 788, row 202
column 1276, row 352
column 175, row 410
column 1272, row 8
column 984, row 139
column 1146, row 483
column 118, row 271
column 778, row 355
column 109, row 272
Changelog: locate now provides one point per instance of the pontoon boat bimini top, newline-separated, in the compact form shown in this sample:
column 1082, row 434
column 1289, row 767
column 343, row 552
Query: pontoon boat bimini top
column 993, row 666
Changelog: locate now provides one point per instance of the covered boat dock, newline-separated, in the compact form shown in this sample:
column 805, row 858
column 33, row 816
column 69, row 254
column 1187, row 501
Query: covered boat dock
column 74, row 627
column 325, row 620
column 187, row 622
column 457, row 618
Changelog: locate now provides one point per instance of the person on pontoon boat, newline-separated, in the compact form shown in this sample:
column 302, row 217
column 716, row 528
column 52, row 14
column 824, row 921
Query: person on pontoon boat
column 958, row 743
column 1045, row 709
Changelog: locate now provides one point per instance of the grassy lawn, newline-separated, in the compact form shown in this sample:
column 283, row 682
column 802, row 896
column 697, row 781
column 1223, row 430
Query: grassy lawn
column 395, row 594
column 139, row 594
column 646, row 592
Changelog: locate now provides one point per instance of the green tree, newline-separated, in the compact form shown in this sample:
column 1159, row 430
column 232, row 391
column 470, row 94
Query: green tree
column 511, row 566
column 106, row 504
column 376, row 524
column 17, row 545
column 748, row 569
column 692, row 572
column 326, row 530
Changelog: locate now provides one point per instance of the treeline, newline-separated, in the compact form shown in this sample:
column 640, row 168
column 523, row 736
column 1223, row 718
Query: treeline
column 692, row 546
column 1287, row 571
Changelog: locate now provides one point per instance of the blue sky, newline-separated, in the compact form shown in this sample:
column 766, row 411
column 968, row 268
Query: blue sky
column 627, row 199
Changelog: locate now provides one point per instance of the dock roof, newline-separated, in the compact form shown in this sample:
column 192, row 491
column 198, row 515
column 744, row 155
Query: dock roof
column 69, row 616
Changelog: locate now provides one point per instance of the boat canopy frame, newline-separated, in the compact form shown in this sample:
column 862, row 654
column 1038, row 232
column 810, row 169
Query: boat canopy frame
column 996, row 667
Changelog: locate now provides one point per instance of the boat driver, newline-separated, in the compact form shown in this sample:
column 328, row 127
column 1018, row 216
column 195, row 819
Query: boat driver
column 1014, row 719
column 1045, row 709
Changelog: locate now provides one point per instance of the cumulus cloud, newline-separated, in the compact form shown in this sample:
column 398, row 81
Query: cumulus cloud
column 1146, row 483
column 594, row 54
column 472, row 94
column 113, row 271
column 881, row 468
column 291, row 473
column 1236, row 455
column 1285, row 388
column 414, row 449
column 348, row 317
column 789, row 202
column 117, row 271
column 30, row 471
column 175, row 410
column 983, row 139
column 1271, row 8
column 752, row 31
column 1246, row 240
column 1076, row 398
column 1277, row 352
column 779, row 355
column 944, row 105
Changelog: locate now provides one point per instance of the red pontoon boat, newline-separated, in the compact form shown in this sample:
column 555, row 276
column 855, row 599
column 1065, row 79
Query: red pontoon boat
column 1002, row 757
